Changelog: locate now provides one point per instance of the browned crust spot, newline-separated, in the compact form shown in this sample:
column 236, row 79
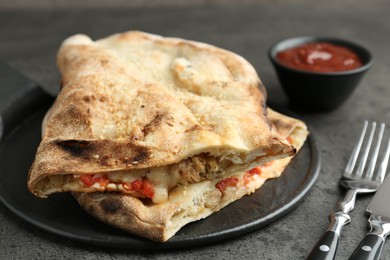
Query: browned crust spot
column 111, row 206
column 153, row 124
column 76, row 148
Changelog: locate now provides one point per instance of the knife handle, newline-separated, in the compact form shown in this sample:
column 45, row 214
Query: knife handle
column 326, row 247
column 369, row 248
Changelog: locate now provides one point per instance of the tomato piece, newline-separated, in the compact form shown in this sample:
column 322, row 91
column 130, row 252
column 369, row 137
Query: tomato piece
column 136, row 185
column 256, row 170
column 147, row 189
column 229, row 182
column 248, row 174
column 103, row 181
column 87, row 179
column 142, row 186
column 127, row 186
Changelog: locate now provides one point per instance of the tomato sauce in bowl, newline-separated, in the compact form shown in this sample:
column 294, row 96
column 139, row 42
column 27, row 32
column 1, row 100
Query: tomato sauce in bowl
column 319, row 73
column 320, row 57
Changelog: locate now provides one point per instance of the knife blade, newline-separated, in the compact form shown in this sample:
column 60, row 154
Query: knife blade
column 379, row 209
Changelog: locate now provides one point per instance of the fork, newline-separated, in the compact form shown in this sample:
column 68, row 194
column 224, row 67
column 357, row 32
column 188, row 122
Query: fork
column 359, row 181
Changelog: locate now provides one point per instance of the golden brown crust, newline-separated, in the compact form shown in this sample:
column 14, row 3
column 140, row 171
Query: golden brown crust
column 285, row 126
column 188, row 203
column 127, row 212
column 136, row 100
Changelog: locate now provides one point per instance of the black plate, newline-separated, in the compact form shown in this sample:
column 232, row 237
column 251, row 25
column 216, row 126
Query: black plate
column 61, row 215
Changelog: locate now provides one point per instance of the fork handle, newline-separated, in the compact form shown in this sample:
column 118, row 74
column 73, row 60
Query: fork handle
column 326, row 247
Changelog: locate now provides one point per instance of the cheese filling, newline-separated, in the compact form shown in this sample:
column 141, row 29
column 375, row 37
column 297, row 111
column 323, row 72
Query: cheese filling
column 163, row 179
column 154, row 183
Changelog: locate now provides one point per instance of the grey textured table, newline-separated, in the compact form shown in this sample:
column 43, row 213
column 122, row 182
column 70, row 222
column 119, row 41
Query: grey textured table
column 29, row 41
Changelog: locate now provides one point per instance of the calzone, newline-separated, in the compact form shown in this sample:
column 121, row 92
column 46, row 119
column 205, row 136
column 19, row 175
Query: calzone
column 144, row 116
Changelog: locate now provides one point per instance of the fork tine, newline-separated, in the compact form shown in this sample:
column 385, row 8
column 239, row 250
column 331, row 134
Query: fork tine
column 363, row 160
column 352, row 160
column 374, row 155
column 380, row 176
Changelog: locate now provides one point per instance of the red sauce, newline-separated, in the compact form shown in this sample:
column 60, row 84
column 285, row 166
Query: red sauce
column 320, row 57
column 228, row 182
column 142, row 186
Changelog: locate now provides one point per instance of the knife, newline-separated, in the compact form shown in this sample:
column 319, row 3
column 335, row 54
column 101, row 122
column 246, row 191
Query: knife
column 379, row 209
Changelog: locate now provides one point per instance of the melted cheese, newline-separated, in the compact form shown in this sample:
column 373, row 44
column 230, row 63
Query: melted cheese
column 163, row 179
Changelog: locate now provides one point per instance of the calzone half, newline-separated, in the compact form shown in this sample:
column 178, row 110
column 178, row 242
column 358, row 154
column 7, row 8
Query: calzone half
column 143, row 115
column 192, row 202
